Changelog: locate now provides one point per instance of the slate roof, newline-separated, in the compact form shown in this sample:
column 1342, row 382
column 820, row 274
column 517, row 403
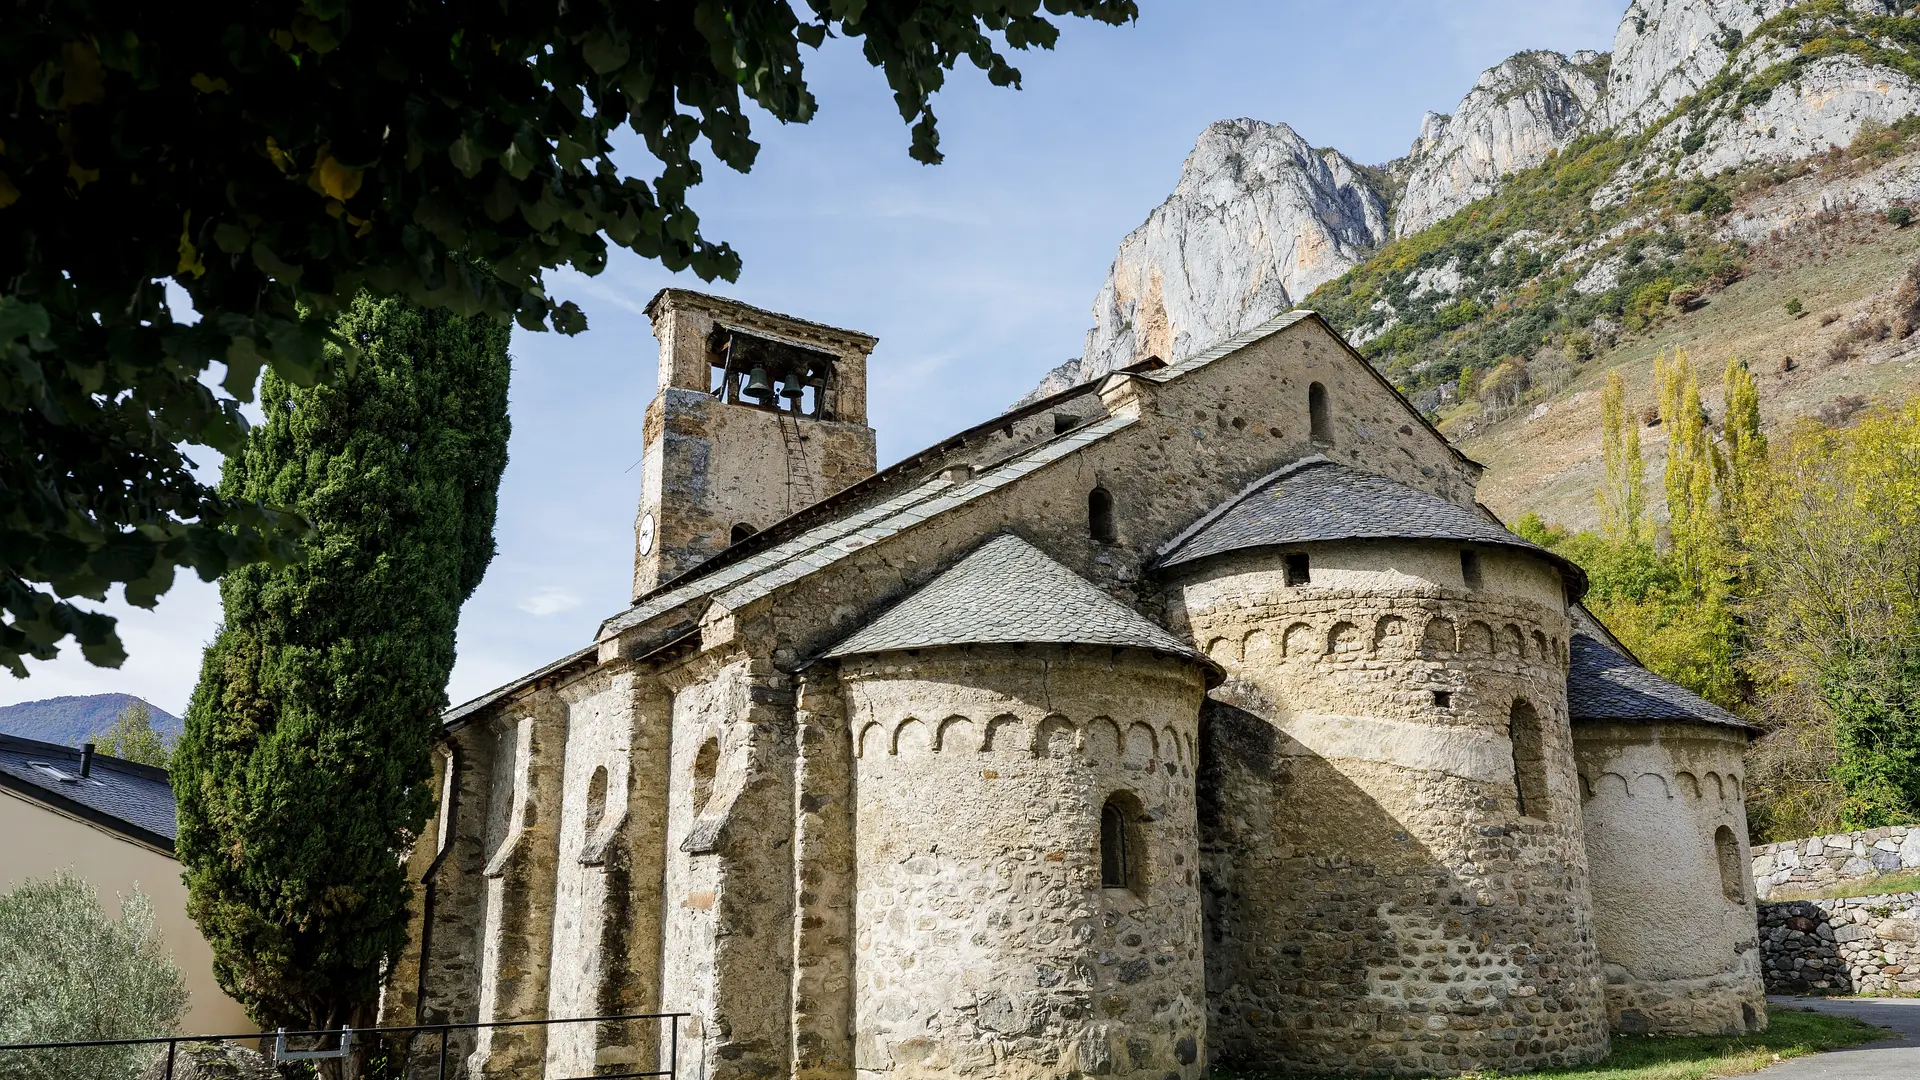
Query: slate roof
column 1604, row 685
column 1008, row 591
column 133, row 800
column 1317, row 499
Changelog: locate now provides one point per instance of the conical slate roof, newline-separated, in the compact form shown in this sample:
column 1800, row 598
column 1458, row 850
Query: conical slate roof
column 1009, row 592
column 1317, row 499
column 1604, row 685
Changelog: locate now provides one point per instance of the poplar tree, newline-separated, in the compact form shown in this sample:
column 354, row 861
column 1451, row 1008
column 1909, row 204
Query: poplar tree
column 302, row 776
column 1622, row 498
column 1745, row 443
column 1690, row 472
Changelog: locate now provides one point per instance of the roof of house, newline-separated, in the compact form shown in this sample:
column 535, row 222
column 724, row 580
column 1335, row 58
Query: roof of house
column 120, row 796
column 1006, row 591
column 1316, row 499
column 1602, row 684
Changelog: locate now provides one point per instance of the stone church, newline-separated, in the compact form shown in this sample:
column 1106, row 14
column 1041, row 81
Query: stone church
column 1197, row 717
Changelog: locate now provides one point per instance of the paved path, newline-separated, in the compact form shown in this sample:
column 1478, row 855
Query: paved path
column 1897, row 1058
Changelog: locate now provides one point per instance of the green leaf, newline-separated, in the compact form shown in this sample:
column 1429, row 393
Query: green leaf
column 602, row 53
column 244, row 362
column 231, row 238
column 19, row 319
column 465, row 156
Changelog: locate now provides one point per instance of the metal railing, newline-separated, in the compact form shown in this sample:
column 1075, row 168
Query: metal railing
column 282, row 1054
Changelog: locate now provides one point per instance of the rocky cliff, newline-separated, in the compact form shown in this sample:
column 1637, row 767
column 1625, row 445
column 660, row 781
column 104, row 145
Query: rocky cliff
column 1516, row 115
column 1694, row 92
column 1257, row 221
column 1795, row 84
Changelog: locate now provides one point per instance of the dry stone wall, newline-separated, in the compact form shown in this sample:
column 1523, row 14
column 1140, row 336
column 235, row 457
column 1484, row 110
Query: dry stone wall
column 1858, row 945
column 1817, row 862
column 986, row 943
column 1377, row 899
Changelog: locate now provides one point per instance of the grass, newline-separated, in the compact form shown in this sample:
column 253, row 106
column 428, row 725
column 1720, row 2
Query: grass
column 1790, row 1033
column 1883, row 885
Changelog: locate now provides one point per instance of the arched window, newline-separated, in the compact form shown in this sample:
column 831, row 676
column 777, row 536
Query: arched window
column 1100, row 515
column 706, row 765
column 1122, row 862
column 1726, row 850
column 741, row 532
column 596, row 800
column 1529, row 761
column 1319, row 413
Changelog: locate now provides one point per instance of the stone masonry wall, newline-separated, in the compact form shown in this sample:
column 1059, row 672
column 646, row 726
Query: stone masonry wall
column 986, row 943
column 1665, row 824
column 1856, row 944
column 1820, row 861
column 1377, row 900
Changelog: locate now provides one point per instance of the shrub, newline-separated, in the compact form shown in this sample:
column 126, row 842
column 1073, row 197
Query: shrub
column 1795, row 308
column 1899, row 216
column 69, row 973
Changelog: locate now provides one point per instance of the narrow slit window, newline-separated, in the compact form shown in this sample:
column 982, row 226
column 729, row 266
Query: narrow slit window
column 1120, row 855
column 706, row 766
column 1470, row 568
column 1319, row 414
column 596, row 800
column 1726, row 850
column 1299, row 571
column 1529, row 739
column 1100, row 515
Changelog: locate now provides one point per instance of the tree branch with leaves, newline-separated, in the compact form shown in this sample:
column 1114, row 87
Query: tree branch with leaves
column 275, row 159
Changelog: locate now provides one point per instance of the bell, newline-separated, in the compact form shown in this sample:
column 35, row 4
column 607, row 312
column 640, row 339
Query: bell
column 758, row 387
column 791, row 387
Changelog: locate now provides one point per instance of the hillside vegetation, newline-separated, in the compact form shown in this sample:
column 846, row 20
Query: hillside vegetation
column 1695, row 382
column 71, row 721
column 1610, row 237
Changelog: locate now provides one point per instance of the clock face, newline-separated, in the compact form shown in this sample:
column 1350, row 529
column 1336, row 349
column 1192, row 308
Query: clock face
column 646, row 534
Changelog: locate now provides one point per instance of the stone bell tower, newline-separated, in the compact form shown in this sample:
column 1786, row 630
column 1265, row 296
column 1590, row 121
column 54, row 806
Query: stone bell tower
column 758, row 415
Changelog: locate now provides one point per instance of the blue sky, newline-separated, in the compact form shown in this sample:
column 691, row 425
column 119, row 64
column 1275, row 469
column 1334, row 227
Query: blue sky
column 977, row 275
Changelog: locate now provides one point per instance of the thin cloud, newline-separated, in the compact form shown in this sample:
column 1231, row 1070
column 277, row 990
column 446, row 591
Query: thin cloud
column 548, row 602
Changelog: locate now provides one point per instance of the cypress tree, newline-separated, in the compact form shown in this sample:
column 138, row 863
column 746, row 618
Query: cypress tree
column 302, row 775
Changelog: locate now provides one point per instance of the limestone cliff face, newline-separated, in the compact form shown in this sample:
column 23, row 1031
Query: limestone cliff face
column 1665, row 50
column 1517, row 113
column 1258, row 219
column 1693, row 87
column 1794, row 85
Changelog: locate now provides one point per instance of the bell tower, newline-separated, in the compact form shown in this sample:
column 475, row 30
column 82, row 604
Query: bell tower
column 759, row 415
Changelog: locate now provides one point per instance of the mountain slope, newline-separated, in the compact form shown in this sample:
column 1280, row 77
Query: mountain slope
column 1257, row 221
column 1518, row 113
column 71, row 720
column 1566, row 201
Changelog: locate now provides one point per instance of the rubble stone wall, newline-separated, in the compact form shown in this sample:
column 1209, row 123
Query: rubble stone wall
column 1848, row 945
column 1817, row 862
column 1378, row 900
column 987, row 944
